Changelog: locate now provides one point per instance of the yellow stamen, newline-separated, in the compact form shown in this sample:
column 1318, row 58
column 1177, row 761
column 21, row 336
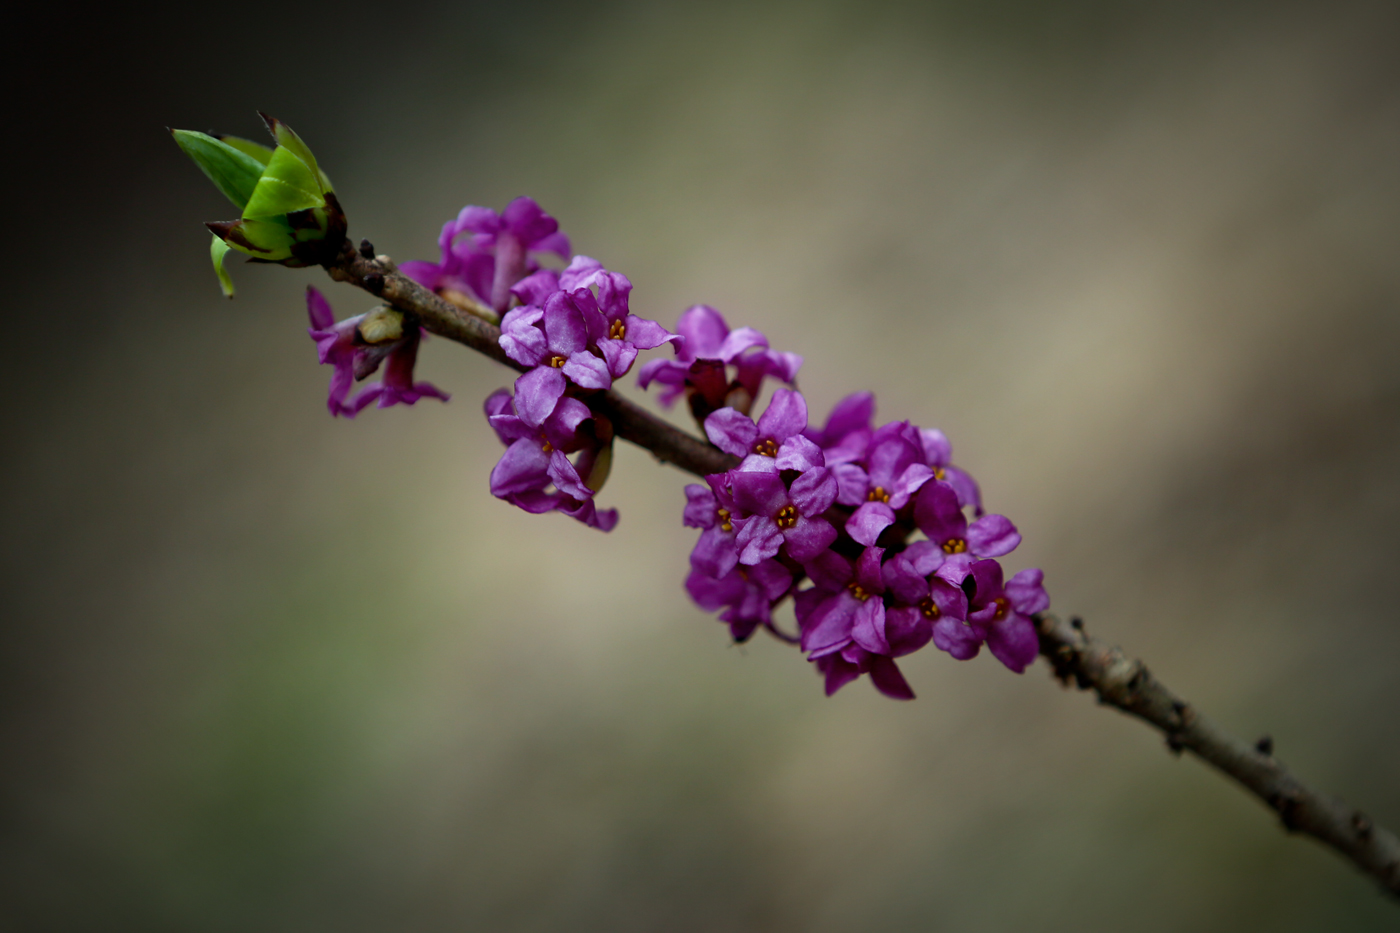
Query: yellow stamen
column 786, row 517
column 1000, row 603
column 930, row 609
column 877, row 494
column 938, row 473
column 766, row 447
column 558, row 361
column 954, row 546
column 618, row 331
column 724, row 523
column 858, row 591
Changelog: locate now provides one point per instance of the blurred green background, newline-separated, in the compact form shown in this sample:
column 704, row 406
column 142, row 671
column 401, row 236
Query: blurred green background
column 266, row 670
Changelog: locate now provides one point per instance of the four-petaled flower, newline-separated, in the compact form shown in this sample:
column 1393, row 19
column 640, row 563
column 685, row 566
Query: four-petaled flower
column 997, row 614
column 776, row 515
column 774, row 443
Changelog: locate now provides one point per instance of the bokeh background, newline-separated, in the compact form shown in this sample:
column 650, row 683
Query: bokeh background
column 266, row 670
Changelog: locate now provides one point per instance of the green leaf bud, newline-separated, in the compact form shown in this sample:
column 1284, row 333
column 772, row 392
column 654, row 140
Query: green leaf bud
column 290, row 214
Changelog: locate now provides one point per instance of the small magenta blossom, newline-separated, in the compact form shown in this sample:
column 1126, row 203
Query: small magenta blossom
column 591, row 339
column 775, row 515
column 612, row 328
column 536, row 458
column 774, row 443
column 998, row 615
column 496, row 255
column 702, row 358
column 555, row 336
column 357, row 347
column 712, row 509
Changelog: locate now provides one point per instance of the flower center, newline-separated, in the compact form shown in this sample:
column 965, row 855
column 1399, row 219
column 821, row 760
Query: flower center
column 938, row 473
column 786, row 517
column 558, row 361
column 877, row 494
column 858, row 591
column 954, row 546
column 1000, row 603
column 618, row 330
column 547, row 447
column 724, row 523
column 930, row 609
column 766, row 447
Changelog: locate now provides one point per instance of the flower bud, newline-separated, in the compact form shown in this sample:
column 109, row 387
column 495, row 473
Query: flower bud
column 381, row 325
column 290, row 214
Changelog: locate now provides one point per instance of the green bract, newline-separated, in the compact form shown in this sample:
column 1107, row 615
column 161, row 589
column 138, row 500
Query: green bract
column 290, row 212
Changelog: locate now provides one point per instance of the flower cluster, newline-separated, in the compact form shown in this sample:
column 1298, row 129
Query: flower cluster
column 877, row 518
column 573, row 331
column 878, row 539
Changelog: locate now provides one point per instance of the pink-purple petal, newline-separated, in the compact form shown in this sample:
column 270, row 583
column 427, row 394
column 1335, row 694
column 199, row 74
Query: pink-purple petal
column 886, row 677
column 809, row 537
column 798, row 453
column 868, row 521
column 537, row 392
column 958, row 639
column 992, row 536
column 1026, row 592
column 1013, row 642
column 814, row 491
column 731, row 431
column 785, row 416
column 759, row 538
column 588, row 371
column 868, row 628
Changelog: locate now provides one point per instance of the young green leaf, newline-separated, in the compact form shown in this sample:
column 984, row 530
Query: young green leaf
column 286, row 136
column 217, row 251
column 233, row 172
column 247, row 147
column 287, row 185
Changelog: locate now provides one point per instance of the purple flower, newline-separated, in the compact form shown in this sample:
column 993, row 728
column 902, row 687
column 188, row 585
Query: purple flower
column 537, row 444
column 612, row 328
column 554, row 337
column 776, row 515
column 356, row 347
column 747, row 592
column 774, row 443
column 893, row 471
column 998, row 615
column 847, row 629
column 710, row 346
column 495, row 257
column 712, row 508
column 938, row 514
